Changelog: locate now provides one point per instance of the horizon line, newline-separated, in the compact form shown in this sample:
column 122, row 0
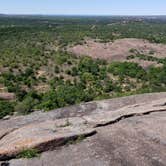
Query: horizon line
column 39, row 14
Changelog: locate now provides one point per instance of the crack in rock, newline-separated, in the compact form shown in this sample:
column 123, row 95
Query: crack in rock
column 127, row 116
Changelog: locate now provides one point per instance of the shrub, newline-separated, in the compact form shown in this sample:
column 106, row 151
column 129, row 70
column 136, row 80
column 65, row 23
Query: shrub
column 56, row 69
column 61, row 58
column 87, row 77
column 74, row 71
column 28, row 153
column 26, row 105
column 6, row 108
column 49, row 101
column 28, row 72
column 127, row 69
column 88, row 65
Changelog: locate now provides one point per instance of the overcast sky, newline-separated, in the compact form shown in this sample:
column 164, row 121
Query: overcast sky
column 84, row 7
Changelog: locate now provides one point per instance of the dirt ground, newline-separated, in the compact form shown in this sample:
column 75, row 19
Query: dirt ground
column 119, row 50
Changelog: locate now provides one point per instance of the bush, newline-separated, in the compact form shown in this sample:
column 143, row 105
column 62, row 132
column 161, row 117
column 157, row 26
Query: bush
column 88, row 65
column 56, row 69
column 127, row 69
column 74, row 71
column 61, row 58
column 87, row 78
column 26, row 105
column 6, row 108
column 28, row 153
column 28, row 72
column 49, row 101
column 68, row 94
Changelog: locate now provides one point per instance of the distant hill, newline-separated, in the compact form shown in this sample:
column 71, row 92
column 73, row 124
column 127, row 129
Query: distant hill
column 1, row 15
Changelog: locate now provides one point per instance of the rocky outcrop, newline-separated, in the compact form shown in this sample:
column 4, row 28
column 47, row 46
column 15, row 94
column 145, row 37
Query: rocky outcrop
column 119, row 50
column 134, row 141
column 7, row 96
column 47, row 131
column 43, row 136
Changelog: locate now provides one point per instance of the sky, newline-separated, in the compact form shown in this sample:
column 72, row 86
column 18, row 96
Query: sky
column 84, row 7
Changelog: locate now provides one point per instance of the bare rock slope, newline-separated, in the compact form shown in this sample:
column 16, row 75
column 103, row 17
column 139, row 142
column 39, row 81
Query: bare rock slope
column 123, row 131
column 119, row 50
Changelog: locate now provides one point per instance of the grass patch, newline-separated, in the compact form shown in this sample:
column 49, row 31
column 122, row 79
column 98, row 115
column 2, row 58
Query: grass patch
column 28, row 153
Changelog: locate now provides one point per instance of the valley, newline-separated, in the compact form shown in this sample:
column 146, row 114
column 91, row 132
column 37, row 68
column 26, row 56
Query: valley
column 82, row 90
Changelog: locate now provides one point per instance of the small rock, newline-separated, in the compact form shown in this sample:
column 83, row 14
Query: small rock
column 7, row 117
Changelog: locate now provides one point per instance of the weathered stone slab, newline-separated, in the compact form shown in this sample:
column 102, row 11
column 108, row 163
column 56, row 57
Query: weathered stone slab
column 134, row 141
column 44, row 131
column 109, row 117
column 80, row 110
column 42, row 136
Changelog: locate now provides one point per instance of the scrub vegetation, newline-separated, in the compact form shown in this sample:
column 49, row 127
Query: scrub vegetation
column 35, row 66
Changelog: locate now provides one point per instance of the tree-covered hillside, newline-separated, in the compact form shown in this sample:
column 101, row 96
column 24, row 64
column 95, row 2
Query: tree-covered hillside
column 35, row 66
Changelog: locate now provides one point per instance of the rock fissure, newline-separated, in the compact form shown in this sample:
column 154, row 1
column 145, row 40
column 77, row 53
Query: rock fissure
column 128, row 116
